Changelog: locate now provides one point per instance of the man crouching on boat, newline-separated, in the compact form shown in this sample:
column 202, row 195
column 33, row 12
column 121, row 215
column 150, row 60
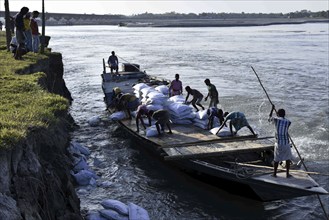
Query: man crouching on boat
column 140, row 113
column 282, row 149
column 238, row 120
column 162, row 118
column 128, row 102
column 212, row 114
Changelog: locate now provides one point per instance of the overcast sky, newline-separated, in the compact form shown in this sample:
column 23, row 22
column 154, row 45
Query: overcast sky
column 162, row 6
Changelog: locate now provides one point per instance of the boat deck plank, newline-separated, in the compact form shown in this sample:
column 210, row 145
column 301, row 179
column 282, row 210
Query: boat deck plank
column 183, row 138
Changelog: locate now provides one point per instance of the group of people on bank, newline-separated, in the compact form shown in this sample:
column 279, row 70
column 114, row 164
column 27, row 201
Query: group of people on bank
column 129, row 102
column 26, row 37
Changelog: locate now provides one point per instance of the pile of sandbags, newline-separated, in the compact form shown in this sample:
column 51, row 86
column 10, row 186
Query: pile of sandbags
column 180, row 113
column 81, row 171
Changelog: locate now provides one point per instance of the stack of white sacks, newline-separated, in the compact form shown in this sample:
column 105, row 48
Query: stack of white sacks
column 156, row 98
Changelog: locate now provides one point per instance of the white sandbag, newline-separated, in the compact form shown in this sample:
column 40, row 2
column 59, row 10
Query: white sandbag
column 182, row 115
column 118, row 116
column 80, row 164
column 95, row 216
column 140, row 86
column 94, row 121
column 156, row 94
column 201, row 114
column 112, row 215
column 151, row 131
column 200, row 121
column 201, row 125
column 137, row 213
column 163, row 89
column 225, row 132
column 177, row 99
column 154, row 107
column 156, row 100
column 179, row 108
column 145, row 91
column 82, row 149
column 83, row 177
column 182, row 121
column 115, row 205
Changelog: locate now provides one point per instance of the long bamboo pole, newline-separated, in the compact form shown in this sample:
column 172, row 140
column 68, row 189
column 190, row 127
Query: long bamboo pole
column 292, row 142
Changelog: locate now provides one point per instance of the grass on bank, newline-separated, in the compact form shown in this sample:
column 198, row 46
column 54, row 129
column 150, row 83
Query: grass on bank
column 24, row 104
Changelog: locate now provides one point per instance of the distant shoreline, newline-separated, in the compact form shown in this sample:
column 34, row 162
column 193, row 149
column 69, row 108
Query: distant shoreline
column 217, row 22
column 194, row 22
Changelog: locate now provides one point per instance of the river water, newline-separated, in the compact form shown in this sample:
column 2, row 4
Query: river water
column 292, row 63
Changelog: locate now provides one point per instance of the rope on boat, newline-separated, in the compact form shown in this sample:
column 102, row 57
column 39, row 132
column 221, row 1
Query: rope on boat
column 129, row 62
column 293, row 144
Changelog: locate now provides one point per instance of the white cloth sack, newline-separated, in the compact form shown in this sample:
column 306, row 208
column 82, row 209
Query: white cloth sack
column 177, row 99
column 112, row 215
column 116, row 116
column 151, row 131
column 140, row 86
column 84, row 177
column 137, row 213
column 163, row 89
column 115, row 205
column 225, row 132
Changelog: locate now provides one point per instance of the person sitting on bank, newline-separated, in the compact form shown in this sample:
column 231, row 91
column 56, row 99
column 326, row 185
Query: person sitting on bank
column 141, row 112
column 162, row 118
column 128, row 102
column 176, row 86
column 238, row 120
column 282, row 147
column 113, row 63
column 197, row 97
column 212, row 114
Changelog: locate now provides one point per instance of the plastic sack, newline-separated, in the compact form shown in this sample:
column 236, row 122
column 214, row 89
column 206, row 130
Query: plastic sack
column 112, row 215
column 151, row 131
column 137, row 213
column 116, row 116
column 115, row 205
column 225, row 132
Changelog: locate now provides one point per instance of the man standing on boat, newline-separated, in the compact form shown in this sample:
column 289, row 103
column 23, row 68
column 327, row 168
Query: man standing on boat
column 238, row 120
column 197, row 97
column 176, row 87
column 282, row 149
column 212, row 93
column 113, row 62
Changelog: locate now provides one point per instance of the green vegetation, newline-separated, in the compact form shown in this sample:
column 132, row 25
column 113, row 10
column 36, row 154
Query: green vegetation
column 24, row 104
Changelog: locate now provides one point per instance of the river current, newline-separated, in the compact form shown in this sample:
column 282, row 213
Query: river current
column 292, row 63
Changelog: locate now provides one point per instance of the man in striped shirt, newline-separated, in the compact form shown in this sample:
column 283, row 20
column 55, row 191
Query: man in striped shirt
column 282, row 149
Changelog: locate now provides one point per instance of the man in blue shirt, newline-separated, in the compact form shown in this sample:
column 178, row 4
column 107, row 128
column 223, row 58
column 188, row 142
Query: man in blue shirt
column 238, row 120
column 282, row 149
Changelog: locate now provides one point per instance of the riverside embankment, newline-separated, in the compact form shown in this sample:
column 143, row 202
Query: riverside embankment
column 35, row 124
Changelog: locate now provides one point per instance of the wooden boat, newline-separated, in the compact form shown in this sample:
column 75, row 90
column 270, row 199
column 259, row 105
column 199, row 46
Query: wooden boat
column 243, row 163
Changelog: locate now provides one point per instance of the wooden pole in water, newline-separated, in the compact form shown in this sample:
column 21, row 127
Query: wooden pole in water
column 292, row 142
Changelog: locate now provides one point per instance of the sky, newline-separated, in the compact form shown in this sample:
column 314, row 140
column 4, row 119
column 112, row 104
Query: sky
column 162, row 6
